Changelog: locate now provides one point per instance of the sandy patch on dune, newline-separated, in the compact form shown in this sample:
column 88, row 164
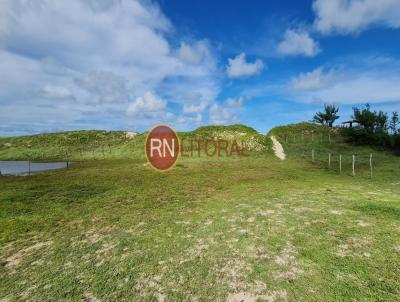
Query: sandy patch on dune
column 130, row 134
column 278, row 149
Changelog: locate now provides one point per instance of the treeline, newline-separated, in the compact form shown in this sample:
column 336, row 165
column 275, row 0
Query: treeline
column 371, row 127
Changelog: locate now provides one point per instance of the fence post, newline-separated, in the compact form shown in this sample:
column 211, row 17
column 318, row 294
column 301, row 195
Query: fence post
column 370, row 163
column 340, row 163
column 312, row 136
column 329, row 161
column 329, row 137
column 29, row 167
column 312, row 155
column 354, row 160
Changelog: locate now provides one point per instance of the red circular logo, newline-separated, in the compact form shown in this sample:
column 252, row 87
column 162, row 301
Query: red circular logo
column 162, row 147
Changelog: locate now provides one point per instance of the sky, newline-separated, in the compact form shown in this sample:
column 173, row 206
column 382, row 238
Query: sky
column 129, row 65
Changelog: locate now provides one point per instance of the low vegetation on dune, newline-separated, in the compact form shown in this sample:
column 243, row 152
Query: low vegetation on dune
column 94, row 144
column 238, row 229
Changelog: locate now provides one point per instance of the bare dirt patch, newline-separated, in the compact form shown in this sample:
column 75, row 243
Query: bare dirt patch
column 96, row 235
column 147, row 285
column 354, row 247
column 89, row 297
column 249, row 297
column 290, row 268
column 16, row 258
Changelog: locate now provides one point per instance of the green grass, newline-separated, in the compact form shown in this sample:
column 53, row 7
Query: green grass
column 115, row 230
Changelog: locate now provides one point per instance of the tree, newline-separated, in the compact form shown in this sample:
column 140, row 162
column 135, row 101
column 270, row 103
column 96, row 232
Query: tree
column 394, row 121
column 365, row 117
column 371, row 120
column 328, row 116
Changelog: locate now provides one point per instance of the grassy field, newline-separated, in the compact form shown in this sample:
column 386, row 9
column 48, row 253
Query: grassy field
column 235, row 229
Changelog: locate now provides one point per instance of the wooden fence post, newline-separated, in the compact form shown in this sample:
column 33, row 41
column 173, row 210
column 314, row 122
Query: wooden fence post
column 370, row 163
column 329, row 161
column 329, row 137
column 340, row 163
column 312, row 155
column 354, row 160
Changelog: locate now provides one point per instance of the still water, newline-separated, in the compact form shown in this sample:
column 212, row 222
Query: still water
column 20, row 167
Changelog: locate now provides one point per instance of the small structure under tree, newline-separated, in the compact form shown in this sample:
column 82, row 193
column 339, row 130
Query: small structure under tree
column 350, row 123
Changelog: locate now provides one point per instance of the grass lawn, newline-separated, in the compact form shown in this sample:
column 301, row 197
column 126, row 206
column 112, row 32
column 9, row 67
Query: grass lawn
column 229, row 230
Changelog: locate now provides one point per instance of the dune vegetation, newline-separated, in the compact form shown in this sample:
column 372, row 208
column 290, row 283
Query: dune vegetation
column 110, row 228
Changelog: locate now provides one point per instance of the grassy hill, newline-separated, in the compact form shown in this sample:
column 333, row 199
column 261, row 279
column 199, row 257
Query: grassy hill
column 113, row 229
column 96, row 144
column 299, row 141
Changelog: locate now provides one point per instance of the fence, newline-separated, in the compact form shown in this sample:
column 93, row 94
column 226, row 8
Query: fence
column 359, row 161
column 319, row 148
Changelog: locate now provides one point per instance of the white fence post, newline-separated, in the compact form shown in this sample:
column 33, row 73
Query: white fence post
column 354, row 160
column 370, row 163
column 340, row 163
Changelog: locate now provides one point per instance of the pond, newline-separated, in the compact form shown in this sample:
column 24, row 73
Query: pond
column 22, row 167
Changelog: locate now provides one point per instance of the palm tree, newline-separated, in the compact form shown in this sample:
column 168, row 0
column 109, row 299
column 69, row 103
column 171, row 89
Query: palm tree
column 328, row 116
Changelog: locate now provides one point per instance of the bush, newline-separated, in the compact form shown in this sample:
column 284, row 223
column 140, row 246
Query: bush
column 363, row 136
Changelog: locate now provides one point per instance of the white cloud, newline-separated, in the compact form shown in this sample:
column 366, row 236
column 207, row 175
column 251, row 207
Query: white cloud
column 106, row 87
column 298, row 42
column 97, row 56
column 189, row 120
column 56, row 92
column 239, row 67
column 227, row 112
column 348, row 86
column 195, row 107
column 219, row 115
column 352, row 16
column 313, row 80
column 232, row 102
column 193, row 54
column 149, row 103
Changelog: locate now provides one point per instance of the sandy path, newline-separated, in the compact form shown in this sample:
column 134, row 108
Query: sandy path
column 278, row 149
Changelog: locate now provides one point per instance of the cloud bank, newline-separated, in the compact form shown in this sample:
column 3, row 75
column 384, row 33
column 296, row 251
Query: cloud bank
column 87, row 64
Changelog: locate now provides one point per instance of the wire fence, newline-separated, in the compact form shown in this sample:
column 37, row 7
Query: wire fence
column 327, row 150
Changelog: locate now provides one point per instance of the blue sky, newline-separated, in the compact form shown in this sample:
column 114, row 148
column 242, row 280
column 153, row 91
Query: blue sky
column 128, row 65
